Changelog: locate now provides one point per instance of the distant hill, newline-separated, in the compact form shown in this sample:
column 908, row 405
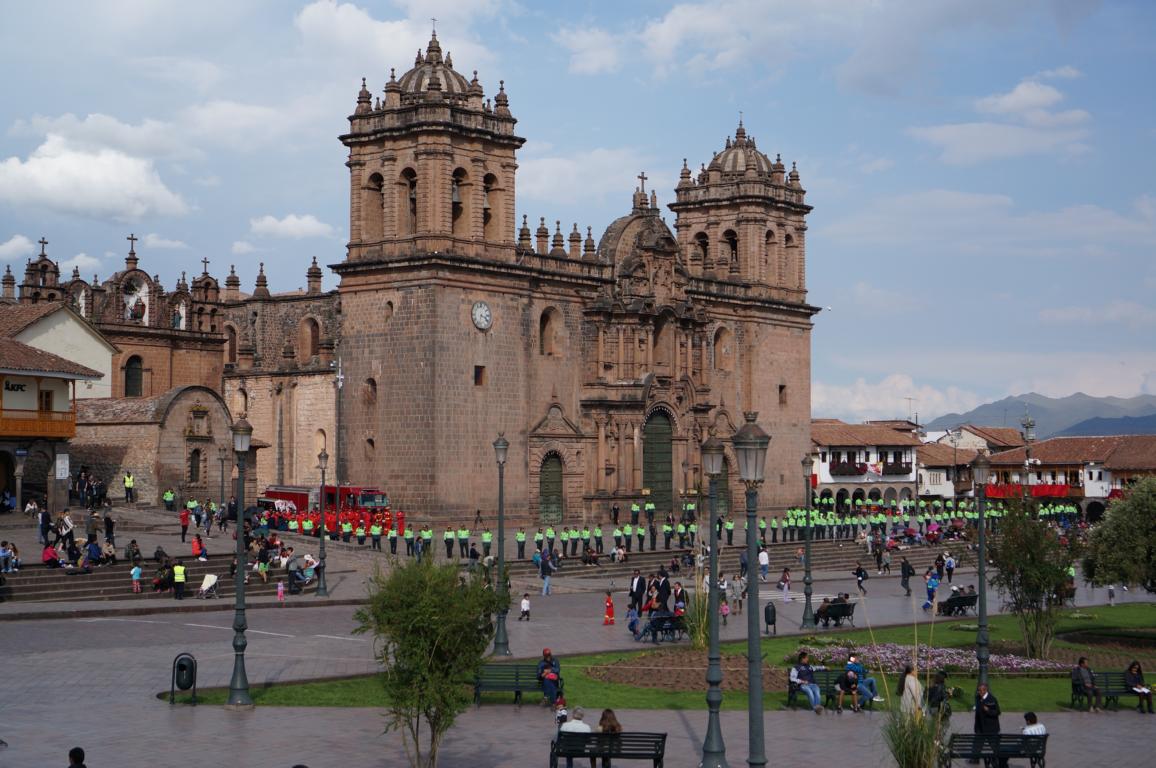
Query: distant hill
column 1125, row 425
column 1052, row 415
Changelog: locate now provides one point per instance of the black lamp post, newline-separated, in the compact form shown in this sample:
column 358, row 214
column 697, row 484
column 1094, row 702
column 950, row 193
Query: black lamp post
column 808, row 611
column 239, row 684
column 501, row 640
column 222, row 454
column 980, row 468
column 322, row 589
column 714, row 752
column 750, row 444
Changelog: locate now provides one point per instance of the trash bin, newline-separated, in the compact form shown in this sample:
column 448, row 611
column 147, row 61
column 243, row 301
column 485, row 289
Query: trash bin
column 769, row 618
column 184, row 676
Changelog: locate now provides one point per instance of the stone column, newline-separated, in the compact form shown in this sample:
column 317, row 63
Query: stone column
column 620, row 467
column 598, row 373
column 636, row 470
column 600, row 467
column 620, row 373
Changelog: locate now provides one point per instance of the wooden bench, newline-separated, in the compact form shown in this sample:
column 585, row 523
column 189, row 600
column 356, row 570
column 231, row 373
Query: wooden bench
column 994, row 747
column 664, row 629
column 825, row 679
column 957, row 605
column 509, row 678
column 1111, row 685
column 838, row 612
column 625, row 746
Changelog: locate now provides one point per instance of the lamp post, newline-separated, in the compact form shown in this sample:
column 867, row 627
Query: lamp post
column 714, row 752
column 501, row 641
column 322, row 589
column 750, row 444
column 954, row 436
column 1029, row 426
column 808, row 611
column 222, row 454
column 979, row 471
column 239, row 683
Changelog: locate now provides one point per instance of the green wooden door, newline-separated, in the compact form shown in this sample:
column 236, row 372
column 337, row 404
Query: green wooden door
column 550, row 490
column 657, row 460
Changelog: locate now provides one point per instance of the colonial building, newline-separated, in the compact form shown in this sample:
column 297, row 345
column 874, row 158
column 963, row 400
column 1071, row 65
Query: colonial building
column 856, row 464
column 54, row 327
column 605, row 364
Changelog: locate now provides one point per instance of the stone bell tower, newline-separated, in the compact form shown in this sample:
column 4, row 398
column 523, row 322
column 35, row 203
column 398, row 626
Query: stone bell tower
column 431, row 166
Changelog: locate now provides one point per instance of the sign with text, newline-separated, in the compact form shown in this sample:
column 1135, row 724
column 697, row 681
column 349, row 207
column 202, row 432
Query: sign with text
column 62, row 466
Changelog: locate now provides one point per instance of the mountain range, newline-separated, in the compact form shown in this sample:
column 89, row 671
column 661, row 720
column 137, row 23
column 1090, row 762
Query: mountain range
column 1077, row 414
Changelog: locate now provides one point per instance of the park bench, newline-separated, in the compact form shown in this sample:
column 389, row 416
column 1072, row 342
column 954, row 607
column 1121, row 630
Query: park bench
column 957, row 605
column 825, row 679
column 509, row 678
column 624, row 746
column 991, row 748
column 1111, row 685
column 667, row 629
column 840, row 612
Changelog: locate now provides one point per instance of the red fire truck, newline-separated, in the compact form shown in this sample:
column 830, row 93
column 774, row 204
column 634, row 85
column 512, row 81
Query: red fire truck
column 353, row 497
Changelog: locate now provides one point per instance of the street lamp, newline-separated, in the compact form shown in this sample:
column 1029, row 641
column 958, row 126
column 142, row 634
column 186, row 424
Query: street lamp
column 980, row 468
column 1029, row 426
column 222, row 454
column 750, row 444
column 322, row 589
column 501, row 641
column 808, row 612
column 714, row 752
column 239, row 684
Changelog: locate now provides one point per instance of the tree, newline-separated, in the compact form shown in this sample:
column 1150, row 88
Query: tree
column 1032, row 562
column 431, row 628
column 1122, row 548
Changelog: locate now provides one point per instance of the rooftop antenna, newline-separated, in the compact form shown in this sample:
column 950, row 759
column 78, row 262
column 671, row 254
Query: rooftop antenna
column 911, row 401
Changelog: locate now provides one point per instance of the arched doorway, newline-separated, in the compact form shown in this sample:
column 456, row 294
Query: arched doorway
column 550, row 490
column 657, row 461
column 134, row 377
column 1094, row 512
column 841, row 500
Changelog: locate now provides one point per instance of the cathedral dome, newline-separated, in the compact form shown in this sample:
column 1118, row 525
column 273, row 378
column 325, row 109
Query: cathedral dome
column 740, row 156
column 433, row 73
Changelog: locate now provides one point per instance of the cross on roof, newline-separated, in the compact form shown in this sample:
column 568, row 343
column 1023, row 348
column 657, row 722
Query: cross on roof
column 43, row 244
column 642, row 177
column 435, row 24
column 205, row 262
column 132, row 242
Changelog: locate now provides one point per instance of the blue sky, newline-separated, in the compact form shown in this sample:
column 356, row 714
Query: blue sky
column 982, row 171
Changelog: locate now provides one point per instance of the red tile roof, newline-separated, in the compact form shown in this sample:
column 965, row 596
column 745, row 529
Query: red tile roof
column 997, row 437
column 940, row 455
column 1115, row 452
column 14, row 318
column 23, row 359
column 833, row 433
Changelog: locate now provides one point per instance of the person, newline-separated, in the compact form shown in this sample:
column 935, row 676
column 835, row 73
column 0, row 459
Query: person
column 135, row 573
column 525, row 607
column 939, row 696
column 764, row 563
column 575, row 724
column 129, row 488
column 5, row 558
column 1033, row 726
column 867, row 685
column 184, row 520
column 549, row 672
column 76, row 758
column 803, row 677
column 50, row 557
column 987, row 715
column 860, row 574
column 637, row 589
column 1134, row 679
column 847, row 683
column 932, row 587
column 949, row 567
column 906, row 571
column 785, row 584
column 546, row 570
column 1085, row 678
column 608, row 723
column 198, row 548
column 608, row 612
column 724, row 608
column 910, row 692
column 179, row 576
column 822, row 613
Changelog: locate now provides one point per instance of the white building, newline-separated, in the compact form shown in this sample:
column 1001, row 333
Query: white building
column 868, row 462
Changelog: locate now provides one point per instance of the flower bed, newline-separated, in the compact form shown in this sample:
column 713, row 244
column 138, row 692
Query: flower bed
column 891, row 657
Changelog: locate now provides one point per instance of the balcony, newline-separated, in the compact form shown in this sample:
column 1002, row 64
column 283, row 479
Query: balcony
column 50, row 424
column 848, row 469
column 896, row 468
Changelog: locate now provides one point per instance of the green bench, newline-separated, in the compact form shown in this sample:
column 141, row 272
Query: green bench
column 992, row 748
column 605, row 746
column 825, row 679
column 508, row 678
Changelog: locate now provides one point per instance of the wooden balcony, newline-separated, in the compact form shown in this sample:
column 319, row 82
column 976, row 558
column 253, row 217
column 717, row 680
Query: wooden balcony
column 51, row 424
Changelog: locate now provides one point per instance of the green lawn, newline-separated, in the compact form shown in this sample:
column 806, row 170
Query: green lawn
column 1047, row 694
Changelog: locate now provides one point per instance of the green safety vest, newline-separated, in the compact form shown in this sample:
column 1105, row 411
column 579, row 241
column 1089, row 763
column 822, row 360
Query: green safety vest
column 408, row 533
column 598, row 531
column 628, row 529
column 448, row 535
column 169, row 496
column 549, row 533
column 427, row 535
column 634, row 508
column 763, row 523
column 392, row 533
column 307, row 524
column 347, row 527
column 360, row 530
column 538, row 536
column 618, row 533
column 729, row 525
column 463, row 533
column 586, row 533
column 520, row 536
column 179, row 574
column 487, row 537
column 375, row 530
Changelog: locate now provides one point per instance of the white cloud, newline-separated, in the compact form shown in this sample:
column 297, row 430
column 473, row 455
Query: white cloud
column 1066, row 72
column 17, row 246
column 81, row 261
column 95, row 132
column 198, row 74
column 887, row 398
column 593, row 51
column 583, row 176
column 1028, row 95
column 241, row 247
column 153, row 240
column 292, row 226
column 102, row 183
column 876, row 165
column 1114, row 312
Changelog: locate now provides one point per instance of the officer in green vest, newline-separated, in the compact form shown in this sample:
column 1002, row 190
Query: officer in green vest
column 634, row 511
column 307, row 526
column 463, row 541
column 763, row 531
column 640, row 532
column 649, row 508
column 691, row 531
column 667, row 533
column 550, row 536
column 618, row 536
column 359, row 532
column 680, row 529
column 408, row 536
column 587, row 537
column 375, row 536
column 487, row 542
column 729, row 527
column 653, row 536
column 392, row 534
column 448, row 541
column 539, row 537
column 179, row 577
column 774, row 530
column 169, row 497
column 598, row 537
column 346, row 531
column 293, row 524
column 575, row 538
column 628, row 534
column 520, row 539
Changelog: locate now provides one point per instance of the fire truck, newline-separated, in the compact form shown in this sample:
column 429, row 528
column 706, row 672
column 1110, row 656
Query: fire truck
column 304, row 498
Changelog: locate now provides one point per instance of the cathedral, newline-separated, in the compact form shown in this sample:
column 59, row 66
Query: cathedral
column 605, row 363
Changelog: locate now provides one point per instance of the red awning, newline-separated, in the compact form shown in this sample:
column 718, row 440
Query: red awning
column 1015, row 490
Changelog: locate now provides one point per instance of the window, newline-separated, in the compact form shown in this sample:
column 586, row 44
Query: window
column 242, row 402
column 701, row 248
column 782, row 394
column 479, row 375
column 44, row 400
column 489, row 210
column 372, row 215
column 309, row 340
column 369, row 392
column 459, row 211
column 549, row 333
column 724, row 352
column 133, row 377
column 408, row 208
column 195, row 467
column 823, row 456
column 732, row 249
column 230, row 344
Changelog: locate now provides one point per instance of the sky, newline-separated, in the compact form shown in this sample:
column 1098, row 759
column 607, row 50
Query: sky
column 982, row 173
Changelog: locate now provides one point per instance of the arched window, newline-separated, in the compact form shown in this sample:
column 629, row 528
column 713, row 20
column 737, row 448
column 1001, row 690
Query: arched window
column 195, row 466
column 230, row 344
column 724, row 350
column 372, row 214
column 459, row 210
column 732, row 247
column 308, row 340
column 769, row 247
column 549, row 327
column 701, row 249
column 319, row 441
column 369, row 392
column 134, row 377
column 407, row 221
column 664, row 348
column 490, row 214
column 213, row 320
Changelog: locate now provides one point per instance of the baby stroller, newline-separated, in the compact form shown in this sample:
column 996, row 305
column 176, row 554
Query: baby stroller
column 208, row 587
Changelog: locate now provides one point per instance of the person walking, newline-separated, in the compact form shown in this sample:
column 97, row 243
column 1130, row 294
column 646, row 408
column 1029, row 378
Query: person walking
column 608, row 612
column 184, row 519
column 860, row 574
column 906, row 571
column 546, row 570
column 987, row 714
column 785, row 584
column 764, row 563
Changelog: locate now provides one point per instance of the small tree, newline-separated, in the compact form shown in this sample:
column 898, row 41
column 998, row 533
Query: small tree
column 431, row 628
column 1122, row 548
column 1032, row 562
